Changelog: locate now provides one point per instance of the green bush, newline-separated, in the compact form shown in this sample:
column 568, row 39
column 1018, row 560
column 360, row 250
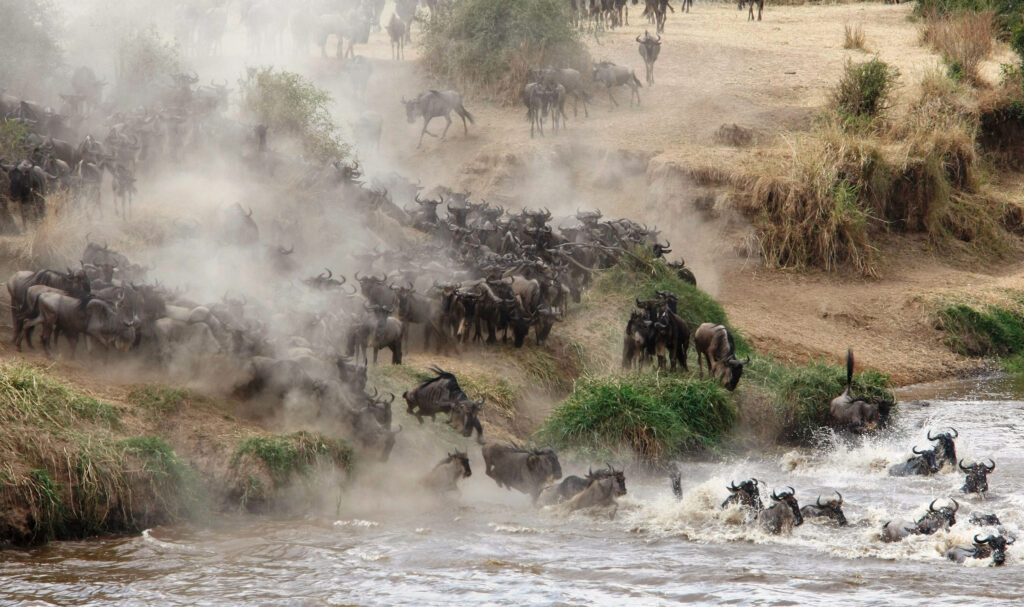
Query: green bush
column 799, row 396
column 865, row 89
column 991, row 331
column 289, row 455
column 290, row 105
column 655, row 416
column 488, row 46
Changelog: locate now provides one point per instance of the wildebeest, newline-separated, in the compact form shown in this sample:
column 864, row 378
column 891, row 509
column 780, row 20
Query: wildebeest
column 634, row 342
column 608, row 74
column 832, row 509
column 464, row 417
column 649, row 49
column 750, row 15
column 434, row 395
column 571, row 486
column 28, row 189
column 675, row 478
column 540, row 100
column 601, row 492
column 396, row 31
column 977, row 476
column 923, row 463
column 98, row 320
column 571, row 80
column 436, row 104
column 387, row 332
column 237, row 226
column 992, row 546
column 525, row 470
column 445, row 476
column 275, row 378
column 933, row 520
column 782, row 516
column 984, row 520
column 715, row 344
column 945, row 450
column 857, row 414
column 747, row 494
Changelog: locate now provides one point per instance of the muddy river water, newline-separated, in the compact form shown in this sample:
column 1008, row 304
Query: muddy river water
column 492, row 548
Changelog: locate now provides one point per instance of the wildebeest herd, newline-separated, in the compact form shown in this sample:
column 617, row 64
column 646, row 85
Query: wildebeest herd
column 786, row 513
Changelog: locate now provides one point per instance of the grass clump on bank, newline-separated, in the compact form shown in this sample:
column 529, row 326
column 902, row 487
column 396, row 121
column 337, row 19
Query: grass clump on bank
column 865, row 89
column 964, row 39
column 488, row 46
column 994, row 330
column 264, row 465
column 656, row 417
column 795, row 399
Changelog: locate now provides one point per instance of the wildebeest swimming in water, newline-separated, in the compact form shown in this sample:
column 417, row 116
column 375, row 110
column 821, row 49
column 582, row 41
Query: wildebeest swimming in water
column 932, row 521
column 436, row 104
column 977, row 476
column 572, row 486
column 992, row 546
column 747, row 494
column 855, row 414
column 782, row 516
column 831, row 509
column 923, row 463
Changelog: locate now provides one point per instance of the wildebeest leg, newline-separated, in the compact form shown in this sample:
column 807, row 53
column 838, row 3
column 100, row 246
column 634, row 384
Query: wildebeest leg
column 375, row 350
column 614, row 102
column 444, row 133
column 396, row 353
column 426, row 121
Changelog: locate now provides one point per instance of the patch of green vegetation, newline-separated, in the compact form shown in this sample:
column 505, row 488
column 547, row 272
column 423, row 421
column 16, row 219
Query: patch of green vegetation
column 172, row 482
column 498, row 392
column 982, row 331
column 292, row 105
column 29, row 395
column 288, row 456
column 161, row 400
column 865, row 89
column 799, row 396
column 489, row 46
column 1009, row 13
column 655, row 416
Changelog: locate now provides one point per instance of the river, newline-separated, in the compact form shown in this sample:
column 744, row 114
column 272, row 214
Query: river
column 491, row 548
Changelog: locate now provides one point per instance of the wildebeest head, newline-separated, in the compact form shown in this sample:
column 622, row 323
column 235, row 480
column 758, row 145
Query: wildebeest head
column 413, row 109
column 977, row 476
column 788, row 498
column 608, row 471
column 935, row 519
column 945, row 451
column 984, row 520
column 731, row 371
column 350, row 373
column 833, row 508
column 747, row 493
column 929, row 459
column 465, row 417
column 994, row 545
column 463, row 459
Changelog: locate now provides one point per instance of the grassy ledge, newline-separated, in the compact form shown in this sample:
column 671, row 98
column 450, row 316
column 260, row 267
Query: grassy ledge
column 655, row 416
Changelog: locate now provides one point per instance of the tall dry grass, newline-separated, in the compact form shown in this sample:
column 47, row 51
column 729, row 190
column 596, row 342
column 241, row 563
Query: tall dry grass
column 964, row 39
column 854, row 37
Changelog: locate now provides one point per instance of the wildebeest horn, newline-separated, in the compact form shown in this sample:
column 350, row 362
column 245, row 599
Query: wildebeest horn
column 930, row 437
column 590, row 471
column 1010, row 540
column 916, row 452
column 954, row 432
column 638, row 37
column 732, row 486
column 774, row 496
column 931, row 506
column 659, row 37
column 993, row 466
column 840, row 498
column 817, row 502
column 961, row 464
column 956, row 504
column 329, row 273
column 249, row 214
column 392, row 397
column 977, row 541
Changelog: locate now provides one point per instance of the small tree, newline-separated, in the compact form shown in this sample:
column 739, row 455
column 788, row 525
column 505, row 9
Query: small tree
column 28, row 48
column 291, row 105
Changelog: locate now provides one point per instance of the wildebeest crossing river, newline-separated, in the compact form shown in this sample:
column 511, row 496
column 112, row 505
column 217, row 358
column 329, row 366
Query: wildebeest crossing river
column 493, row 548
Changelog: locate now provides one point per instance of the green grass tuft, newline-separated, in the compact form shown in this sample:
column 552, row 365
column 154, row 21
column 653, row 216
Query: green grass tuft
column 799, row 396
column 28, row 395
column 287, row 456
column 989, row 331
column 657, row 417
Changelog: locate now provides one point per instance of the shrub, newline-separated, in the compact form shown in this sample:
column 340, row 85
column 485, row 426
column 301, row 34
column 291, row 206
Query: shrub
column 292, row 106
column 865, row 89
column 799, row 396
column 657, row 417
column 291, row 455
column 963, row 39
column 145, row 60
column 853, row 36
column 489, row 46
column 1008, row 14
column 28, row 47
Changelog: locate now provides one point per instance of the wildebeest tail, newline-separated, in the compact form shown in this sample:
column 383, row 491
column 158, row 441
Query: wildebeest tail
column 849, row 368
column 637, row 80
column 465, row 113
